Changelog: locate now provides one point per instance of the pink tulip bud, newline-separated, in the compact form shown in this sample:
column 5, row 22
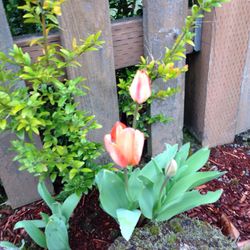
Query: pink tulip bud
column 140, row 89
column 124, row 145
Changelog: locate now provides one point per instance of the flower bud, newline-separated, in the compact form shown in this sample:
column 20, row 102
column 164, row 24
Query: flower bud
column 171, row 169
column 140, row 89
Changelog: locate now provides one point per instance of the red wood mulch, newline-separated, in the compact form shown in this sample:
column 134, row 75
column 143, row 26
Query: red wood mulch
column 235, row 200
column 91, row 228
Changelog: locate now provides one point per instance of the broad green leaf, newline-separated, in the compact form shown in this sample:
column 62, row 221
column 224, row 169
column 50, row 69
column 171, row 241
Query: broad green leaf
column 69, row 205
column 33, row 231
column 182, row 154
column 56, row 234
column 196, row 161
column 190, row 181
column 190, row 200
column 44, row 193
column 147, row 201
column 112, row 192
column 8, row 246
column 37, row 223
column 135, row 185
column 127, row 220
column 157, row 164
column 207, row 176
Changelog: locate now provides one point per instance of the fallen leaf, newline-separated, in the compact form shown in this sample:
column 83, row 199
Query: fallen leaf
column 228, row 228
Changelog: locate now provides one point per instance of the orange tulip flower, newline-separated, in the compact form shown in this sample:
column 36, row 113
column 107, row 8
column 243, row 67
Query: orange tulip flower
column 124, row 145
column 140, row 89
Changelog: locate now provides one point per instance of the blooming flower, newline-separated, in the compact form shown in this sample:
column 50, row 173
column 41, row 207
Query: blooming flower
column 124, row 145
column 140, row 89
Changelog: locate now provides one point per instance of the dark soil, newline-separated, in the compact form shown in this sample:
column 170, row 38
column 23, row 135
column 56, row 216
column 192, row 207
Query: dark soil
column 91, row 228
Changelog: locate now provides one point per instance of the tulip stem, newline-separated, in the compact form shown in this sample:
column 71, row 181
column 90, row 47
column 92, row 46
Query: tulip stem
column 164, row 185
column 135, row 115
column 126, row 179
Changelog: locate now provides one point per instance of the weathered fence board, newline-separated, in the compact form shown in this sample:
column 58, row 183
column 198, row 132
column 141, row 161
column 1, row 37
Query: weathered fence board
column 243, row 120
column 127, row 36
column 215, row 76
column 81, row 18
column 163, row 20
column 20, row 187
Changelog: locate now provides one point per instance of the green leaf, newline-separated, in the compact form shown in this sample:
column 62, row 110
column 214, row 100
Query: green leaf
column 37, row 223
column 34, row 232
column 182, row 154
column 127, row 220
column 56, row 234
column 44, row 193
column 69, row 205
column 147, row 201
column 135, row 185
column 196, row 161
column 3, row 124
column 189, row 200
column 157, row 164
column 112, row 192
column 190, row 181
column 7, row 245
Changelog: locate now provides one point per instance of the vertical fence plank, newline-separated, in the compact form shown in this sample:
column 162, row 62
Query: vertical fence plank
column 81, row 18
column 162, row 21
column 20, row 186
column 215, row 78
column 243, row 119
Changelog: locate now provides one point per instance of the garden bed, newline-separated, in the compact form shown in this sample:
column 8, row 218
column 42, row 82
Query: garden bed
column 91, row 228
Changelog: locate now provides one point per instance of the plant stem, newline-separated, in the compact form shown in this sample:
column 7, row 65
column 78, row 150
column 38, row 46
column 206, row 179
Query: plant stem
column 135, row 115
column 126, row 179
column 164, row 185
column 45, row 39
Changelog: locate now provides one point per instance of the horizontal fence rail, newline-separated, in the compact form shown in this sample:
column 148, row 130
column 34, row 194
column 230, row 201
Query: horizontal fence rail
column 127, row 42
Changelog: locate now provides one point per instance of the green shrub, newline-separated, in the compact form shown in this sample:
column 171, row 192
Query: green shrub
column 47, row 107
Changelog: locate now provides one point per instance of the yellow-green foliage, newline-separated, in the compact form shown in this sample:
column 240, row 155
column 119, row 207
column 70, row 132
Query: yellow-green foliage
column 47, row 107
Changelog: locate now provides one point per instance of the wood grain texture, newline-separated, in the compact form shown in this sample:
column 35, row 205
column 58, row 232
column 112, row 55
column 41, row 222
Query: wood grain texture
column 163, row 20
column 127, row 35
column 81, row 18
column 20, row 186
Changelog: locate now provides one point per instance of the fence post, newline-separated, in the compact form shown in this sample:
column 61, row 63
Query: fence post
column 20, row 186
column 215, row 78
column 162, row 21
column 81, row 18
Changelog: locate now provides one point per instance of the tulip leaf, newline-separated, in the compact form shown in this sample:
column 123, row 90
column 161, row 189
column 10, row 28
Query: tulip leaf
column 207, row 176
column 189, row 200
column 147, row 201
column 127, row 220
column 182, row 154
column 44, row 193
column 33, row 231
column 57, row 234
column 188, row 182
column 157, row 164
column 112, row 192
column 196, row 161
column 135, row 185
column 69, row 205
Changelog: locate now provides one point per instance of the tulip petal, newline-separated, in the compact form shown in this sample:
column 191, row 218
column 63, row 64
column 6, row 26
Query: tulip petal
column 138, row 146
column 125, row 142
column 114, row 152
column 117, row 128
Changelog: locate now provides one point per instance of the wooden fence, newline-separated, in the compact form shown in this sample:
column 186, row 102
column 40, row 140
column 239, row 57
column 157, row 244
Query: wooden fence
column 125, row 41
